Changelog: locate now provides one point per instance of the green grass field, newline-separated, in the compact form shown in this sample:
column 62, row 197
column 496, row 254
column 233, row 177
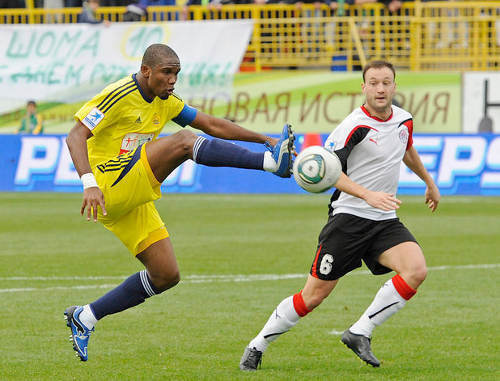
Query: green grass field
column 51, row 258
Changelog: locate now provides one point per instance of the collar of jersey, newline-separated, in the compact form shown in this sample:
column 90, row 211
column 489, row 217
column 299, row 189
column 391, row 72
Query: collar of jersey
column 374, row 117
column 144, row 96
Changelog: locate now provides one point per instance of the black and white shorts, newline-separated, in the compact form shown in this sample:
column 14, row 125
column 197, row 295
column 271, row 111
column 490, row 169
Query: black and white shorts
column 347, row 239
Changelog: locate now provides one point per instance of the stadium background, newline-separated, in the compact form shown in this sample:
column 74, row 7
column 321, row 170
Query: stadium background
column 300, row 65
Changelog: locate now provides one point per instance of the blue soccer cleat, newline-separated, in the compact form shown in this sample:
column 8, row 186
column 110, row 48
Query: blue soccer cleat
column 282, row 152
column 79, row 333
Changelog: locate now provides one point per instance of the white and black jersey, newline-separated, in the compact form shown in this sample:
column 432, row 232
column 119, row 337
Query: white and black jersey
column 371, row 151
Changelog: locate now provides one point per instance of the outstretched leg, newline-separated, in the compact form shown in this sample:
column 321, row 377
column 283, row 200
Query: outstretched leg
column 167, row 153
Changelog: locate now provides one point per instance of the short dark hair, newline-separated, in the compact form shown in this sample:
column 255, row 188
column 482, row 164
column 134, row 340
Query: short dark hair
column 31, row 102
column 378, row 65
column 156, row 52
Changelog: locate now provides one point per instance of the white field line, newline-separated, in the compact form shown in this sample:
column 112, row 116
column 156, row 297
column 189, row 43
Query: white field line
column 196, row 278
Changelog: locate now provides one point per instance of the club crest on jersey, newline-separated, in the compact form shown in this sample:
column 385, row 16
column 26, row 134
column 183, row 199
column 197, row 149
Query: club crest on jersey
column 156, row 118
column 93, row 118
column 403, row 135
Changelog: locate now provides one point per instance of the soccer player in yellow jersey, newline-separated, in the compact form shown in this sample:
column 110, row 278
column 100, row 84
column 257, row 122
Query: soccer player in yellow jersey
column 122, row 163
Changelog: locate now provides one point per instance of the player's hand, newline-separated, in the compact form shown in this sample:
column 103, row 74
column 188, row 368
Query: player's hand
column 382, row 200
column 92, row 199
column 432, row 197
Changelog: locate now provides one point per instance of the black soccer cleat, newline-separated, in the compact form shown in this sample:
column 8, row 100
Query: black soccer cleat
column 360, row 345
column 251, row 359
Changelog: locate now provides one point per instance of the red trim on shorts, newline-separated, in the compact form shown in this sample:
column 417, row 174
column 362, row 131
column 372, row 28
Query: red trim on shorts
column 313, row 270
column 374, row 117
column 402, row 287
column 299, row 305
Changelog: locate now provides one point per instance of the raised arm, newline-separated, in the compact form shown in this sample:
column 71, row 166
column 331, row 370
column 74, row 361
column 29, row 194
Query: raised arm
column 225, row 129
column 412, row 161
column 92, row 195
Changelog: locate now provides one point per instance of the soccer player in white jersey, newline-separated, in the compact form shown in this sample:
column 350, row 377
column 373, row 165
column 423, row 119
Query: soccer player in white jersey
column 371, row 143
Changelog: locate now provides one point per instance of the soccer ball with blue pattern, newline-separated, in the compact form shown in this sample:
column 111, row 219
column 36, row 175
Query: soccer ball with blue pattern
column 316, row 169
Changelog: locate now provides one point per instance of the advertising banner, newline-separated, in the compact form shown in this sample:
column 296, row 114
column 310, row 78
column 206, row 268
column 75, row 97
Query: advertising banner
column 312, row 101
column 315, row 101
column 481, row 102
column 68, row 63
column 460, row 165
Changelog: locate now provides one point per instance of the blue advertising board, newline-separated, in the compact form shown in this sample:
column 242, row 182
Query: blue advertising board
column 460, row 165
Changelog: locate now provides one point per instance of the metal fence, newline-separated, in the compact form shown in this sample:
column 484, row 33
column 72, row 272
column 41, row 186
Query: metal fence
column 451, row 35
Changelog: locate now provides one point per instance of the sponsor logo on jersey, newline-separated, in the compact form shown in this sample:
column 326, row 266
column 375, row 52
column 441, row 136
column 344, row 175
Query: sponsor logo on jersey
column 138, row 120
column 93, row 118
column 133, row 140
column 374, row 137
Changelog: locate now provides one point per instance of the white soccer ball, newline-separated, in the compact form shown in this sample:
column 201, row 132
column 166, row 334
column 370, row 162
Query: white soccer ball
column 316, row 169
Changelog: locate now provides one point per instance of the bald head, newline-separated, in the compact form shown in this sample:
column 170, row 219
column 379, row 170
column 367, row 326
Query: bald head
column 159, row 54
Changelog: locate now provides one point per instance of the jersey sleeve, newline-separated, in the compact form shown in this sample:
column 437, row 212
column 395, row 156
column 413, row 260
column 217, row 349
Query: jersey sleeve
column 344, row 138
column 336, row 139
column 94, row 116
column 185, row 116
column 409, row 124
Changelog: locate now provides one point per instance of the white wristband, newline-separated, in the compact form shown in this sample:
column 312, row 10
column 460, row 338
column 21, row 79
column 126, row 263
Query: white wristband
column 88, row 180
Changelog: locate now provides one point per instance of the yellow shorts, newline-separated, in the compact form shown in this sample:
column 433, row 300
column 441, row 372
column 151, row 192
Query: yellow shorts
column 129, row 189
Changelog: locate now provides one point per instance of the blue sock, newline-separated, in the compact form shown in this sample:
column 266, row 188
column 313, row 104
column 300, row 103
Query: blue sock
column 219, row 153
column 133, row 291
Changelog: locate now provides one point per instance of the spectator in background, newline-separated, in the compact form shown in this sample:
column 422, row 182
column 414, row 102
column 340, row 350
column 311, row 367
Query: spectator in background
column 392, row 5
column 73, row 3
column 185, row 12
column 32, row 122
column 157, row 15
column 53, row 4
column 156, row 3
column 12, row 4
column 89, row 13
column 135, row 12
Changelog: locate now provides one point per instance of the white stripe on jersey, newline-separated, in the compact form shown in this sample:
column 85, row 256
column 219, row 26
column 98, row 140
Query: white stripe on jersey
column 376, row 149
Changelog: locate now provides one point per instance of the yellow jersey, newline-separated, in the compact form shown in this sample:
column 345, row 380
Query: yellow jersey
column 122, row 117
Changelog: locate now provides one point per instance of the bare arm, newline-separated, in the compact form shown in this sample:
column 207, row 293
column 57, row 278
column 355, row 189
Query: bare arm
column 379, row 200
column 38, row 127
column 77, row 144
column 412, row 161
column 225, row 129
